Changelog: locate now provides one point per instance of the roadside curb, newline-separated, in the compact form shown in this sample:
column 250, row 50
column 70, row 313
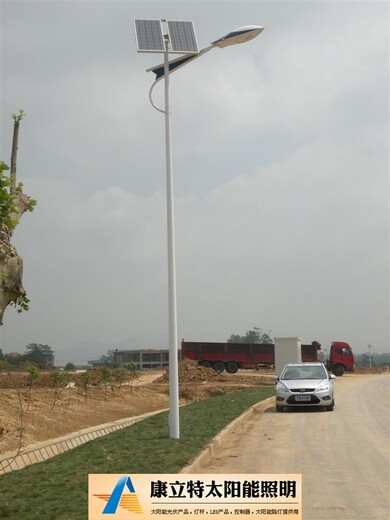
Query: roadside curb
column 235, row 427
column 48, row 449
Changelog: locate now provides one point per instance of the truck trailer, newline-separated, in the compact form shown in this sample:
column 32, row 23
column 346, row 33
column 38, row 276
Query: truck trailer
column 234, row 356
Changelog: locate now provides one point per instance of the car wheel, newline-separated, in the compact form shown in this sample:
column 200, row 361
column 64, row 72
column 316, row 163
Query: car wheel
column 206, row 364
column 330, row 407
column 279, row 408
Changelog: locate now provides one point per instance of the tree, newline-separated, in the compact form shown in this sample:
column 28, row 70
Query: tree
column 33, row 374
column 235, row 338
column 41, row 355
column 104, row 378
column 70, row 367
column 86, row 381
column 70, row 384
column 251, row 336
column 13, row 203
column 120, row 376
column 133, row 369
column 57, row 380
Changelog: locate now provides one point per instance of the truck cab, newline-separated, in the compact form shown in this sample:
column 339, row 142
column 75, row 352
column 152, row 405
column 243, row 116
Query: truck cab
column 341, row 358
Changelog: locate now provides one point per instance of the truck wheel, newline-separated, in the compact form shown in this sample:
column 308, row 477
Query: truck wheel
column 338, row 370
column 231, row 367
column 279, row 408
column 206, row 364
column 219, row 366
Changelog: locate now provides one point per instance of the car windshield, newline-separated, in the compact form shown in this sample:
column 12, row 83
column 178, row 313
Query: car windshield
column 304, row 372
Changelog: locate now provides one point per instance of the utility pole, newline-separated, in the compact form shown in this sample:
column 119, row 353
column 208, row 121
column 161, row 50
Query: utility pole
column 369, row 352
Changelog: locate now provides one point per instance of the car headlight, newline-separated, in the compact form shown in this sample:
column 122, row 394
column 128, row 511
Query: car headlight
column 325, row 387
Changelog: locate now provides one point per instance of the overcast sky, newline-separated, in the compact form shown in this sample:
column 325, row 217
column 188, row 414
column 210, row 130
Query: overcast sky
column 280, row 161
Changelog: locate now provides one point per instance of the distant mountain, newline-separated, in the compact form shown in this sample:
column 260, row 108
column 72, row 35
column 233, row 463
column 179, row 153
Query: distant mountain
column 84, row 351
column 80, row 353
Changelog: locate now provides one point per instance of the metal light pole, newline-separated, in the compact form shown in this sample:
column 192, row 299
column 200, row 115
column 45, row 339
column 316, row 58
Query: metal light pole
column 148, row 35
column 174, row 426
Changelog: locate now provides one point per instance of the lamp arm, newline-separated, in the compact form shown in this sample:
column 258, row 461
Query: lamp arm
column 150, row 96
column 173, row 65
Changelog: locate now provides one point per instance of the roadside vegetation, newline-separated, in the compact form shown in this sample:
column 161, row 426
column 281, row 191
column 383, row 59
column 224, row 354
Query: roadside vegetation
column 64, row 389
column 57, row 489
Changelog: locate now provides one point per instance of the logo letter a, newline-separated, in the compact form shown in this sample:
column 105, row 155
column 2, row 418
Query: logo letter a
column 116, row 495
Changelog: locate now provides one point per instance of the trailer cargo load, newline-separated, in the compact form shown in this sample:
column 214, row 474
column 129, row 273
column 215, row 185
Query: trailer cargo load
column 234, row 356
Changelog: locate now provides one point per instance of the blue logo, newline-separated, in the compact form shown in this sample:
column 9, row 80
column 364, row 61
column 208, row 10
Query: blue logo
column 120, row 498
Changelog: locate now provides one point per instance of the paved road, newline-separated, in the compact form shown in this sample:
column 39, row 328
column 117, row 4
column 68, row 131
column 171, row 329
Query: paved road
column 343, row 455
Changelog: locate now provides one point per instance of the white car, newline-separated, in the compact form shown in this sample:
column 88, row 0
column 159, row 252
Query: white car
column 304, row 384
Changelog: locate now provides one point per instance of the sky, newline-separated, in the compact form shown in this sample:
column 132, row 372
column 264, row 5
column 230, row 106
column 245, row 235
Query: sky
column 280, row 163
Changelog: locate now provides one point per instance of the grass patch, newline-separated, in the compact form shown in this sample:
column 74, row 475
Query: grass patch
column 57, row 489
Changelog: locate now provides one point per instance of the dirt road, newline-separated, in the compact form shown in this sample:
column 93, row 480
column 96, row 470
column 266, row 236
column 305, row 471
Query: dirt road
column 343, row 455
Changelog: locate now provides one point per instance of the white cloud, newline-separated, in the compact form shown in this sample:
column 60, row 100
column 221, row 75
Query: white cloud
column 312, row 227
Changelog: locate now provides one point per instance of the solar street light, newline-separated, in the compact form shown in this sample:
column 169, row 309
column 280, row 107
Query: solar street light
column 240, row 35
column 168, row 36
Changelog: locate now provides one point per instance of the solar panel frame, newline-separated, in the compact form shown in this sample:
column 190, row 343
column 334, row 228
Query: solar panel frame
column 182, row 37
column 149, row 36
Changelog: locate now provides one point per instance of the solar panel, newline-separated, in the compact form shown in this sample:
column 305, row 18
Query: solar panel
column 149, row 36
column 182, row 37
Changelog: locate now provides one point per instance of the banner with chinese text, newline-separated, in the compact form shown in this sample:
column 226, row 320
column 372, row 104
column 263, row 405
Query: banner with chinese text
column 196, row 496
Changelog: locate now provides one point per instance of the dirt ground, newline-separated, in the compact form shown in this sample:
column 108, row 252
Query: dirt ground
column 26, row 418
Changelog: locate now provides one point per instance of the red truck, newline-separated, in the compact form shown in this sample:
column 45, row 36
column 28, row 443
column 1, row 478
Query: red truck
column 232, row 356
